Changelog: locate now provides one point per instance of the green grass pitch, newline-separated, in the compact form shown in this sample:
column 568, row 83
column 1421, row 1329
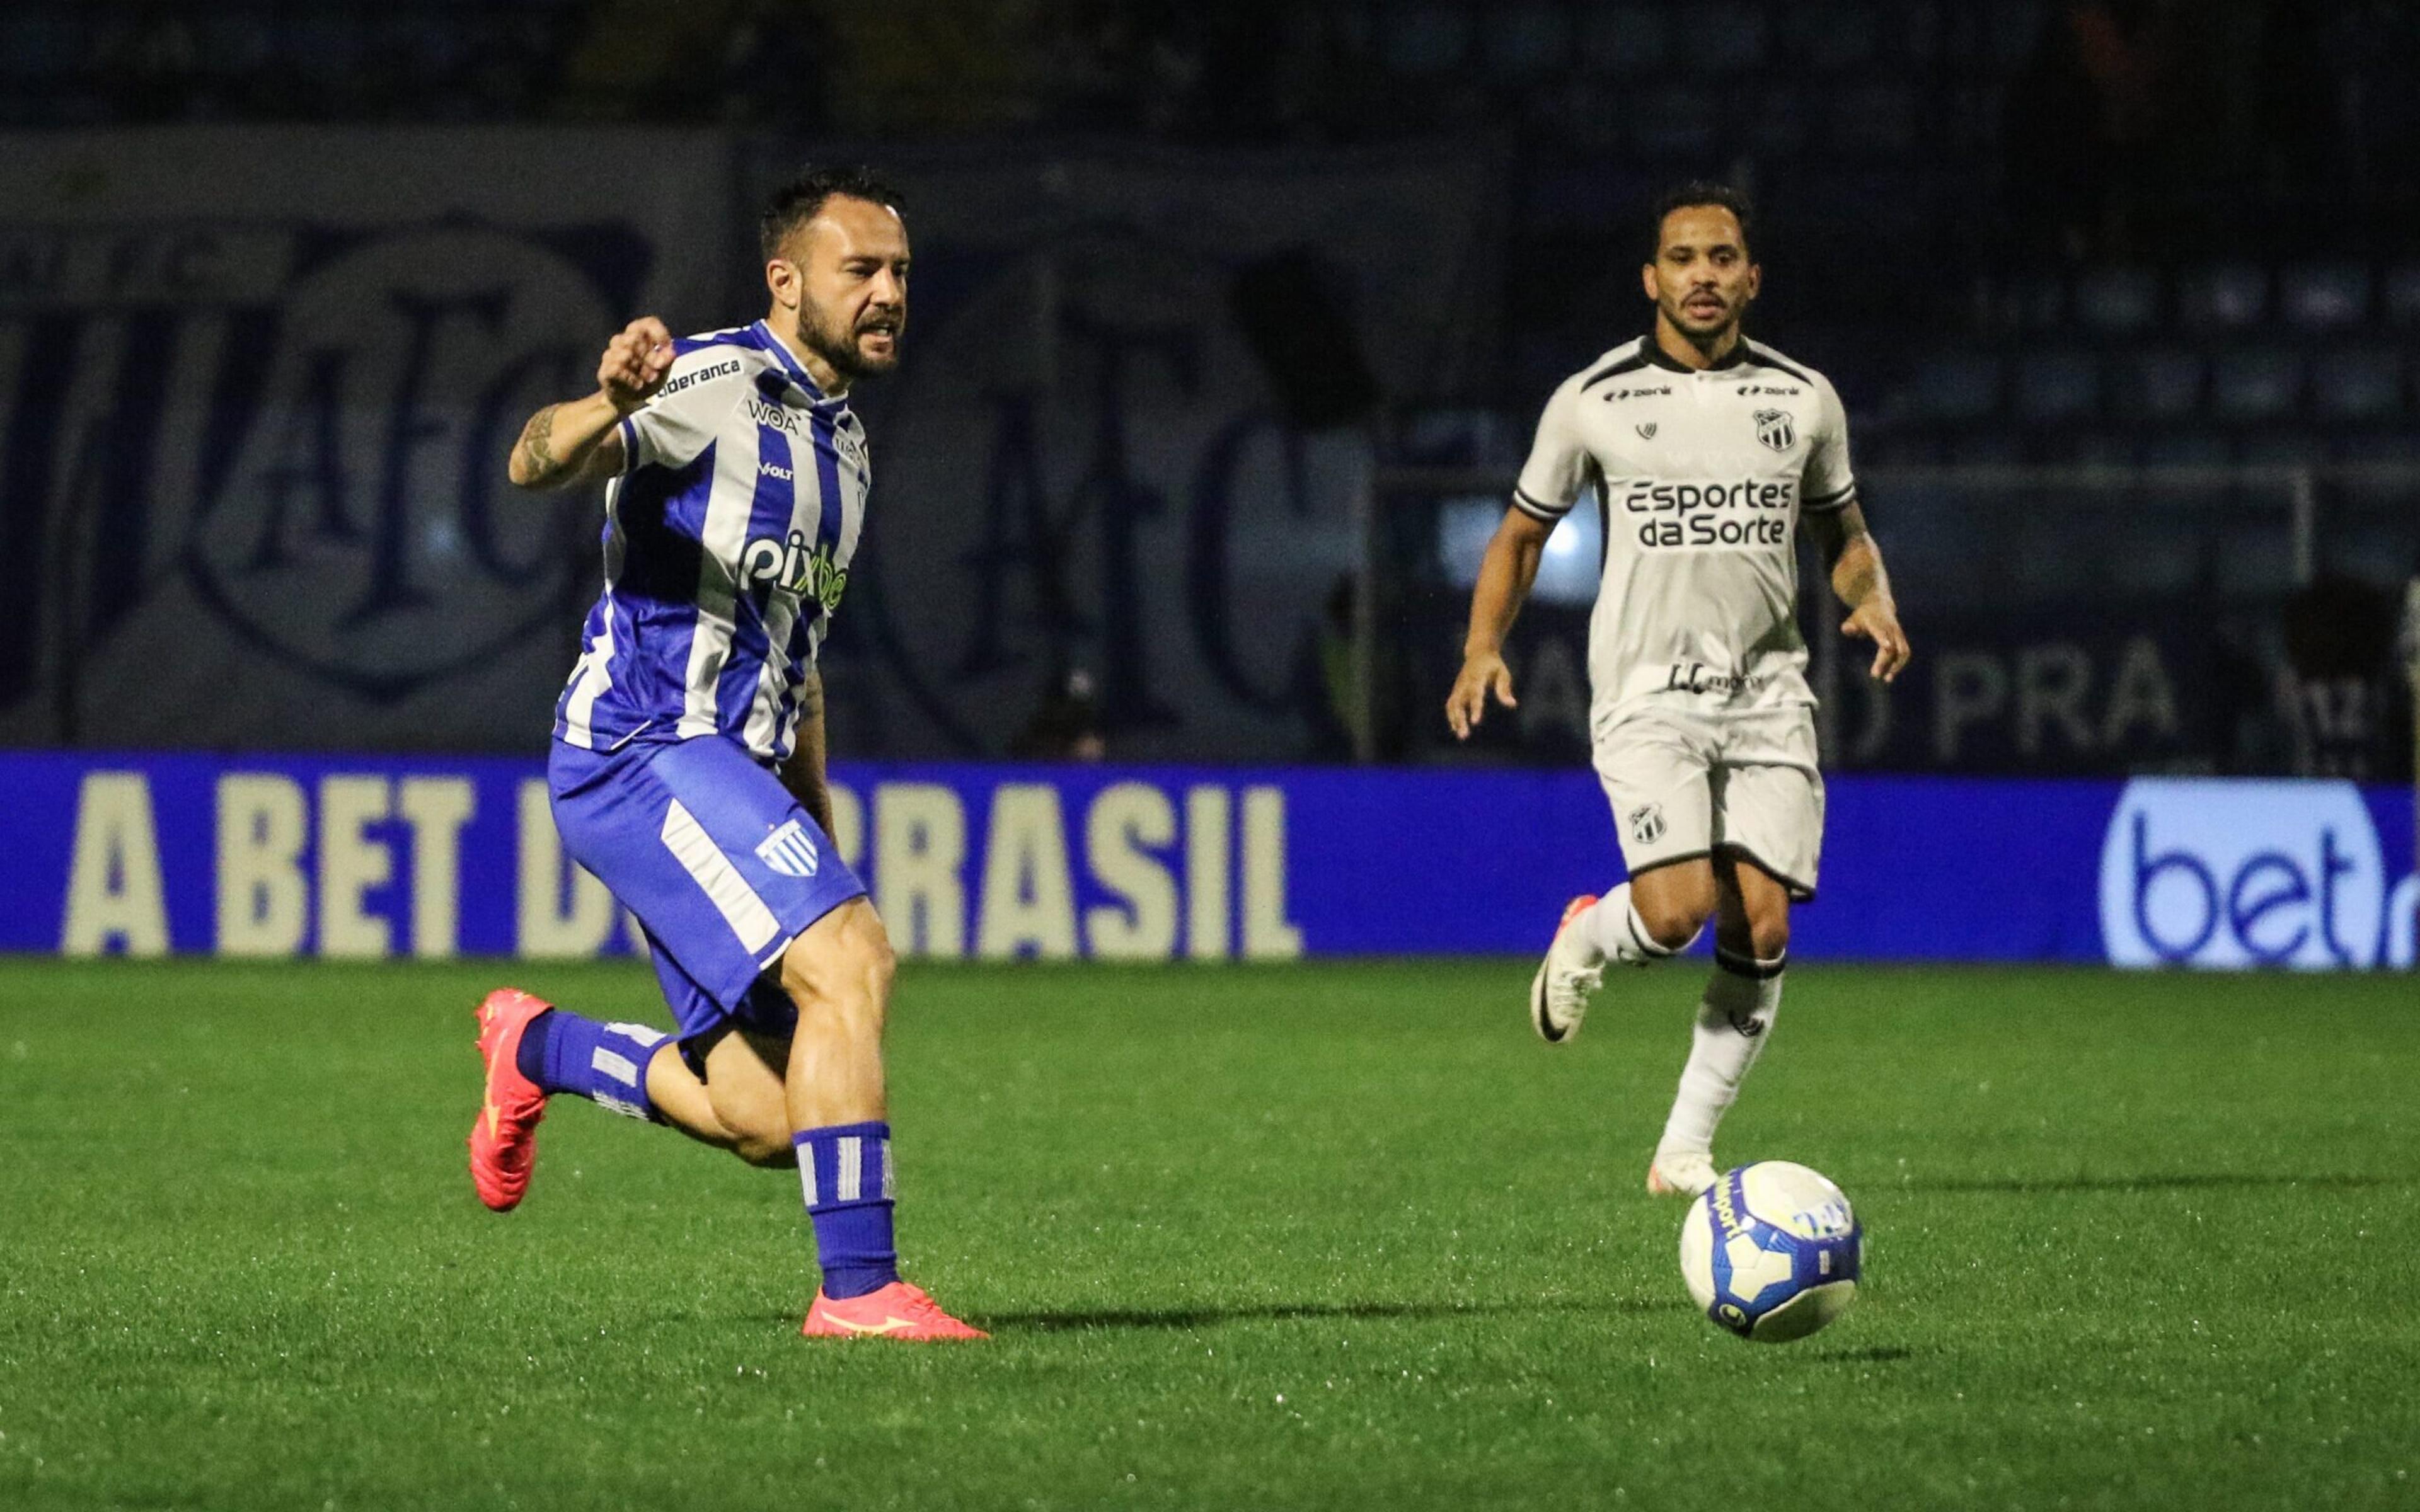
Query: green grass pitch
column 1331, row 1236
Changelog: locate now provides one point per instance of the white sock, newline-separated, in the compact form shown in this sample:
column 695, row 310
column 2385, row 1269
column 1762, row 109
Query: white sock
column 1733, row 1020
column 1614, row 927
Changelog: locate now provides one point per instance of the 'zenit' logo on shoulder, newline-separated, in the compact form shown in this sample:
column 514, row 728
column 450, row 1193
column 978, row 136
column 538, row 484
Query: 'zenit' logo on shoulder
column 1654, row 391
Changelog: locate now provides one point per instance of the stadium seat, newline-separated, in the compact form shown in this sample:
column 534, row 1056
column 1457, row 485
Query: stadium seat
column 1425, row 41
column 2015, row 32
column 2154, row 562
column 2186, row 449
column 2396, row 496
column 2391, row 447
column 2160, row 385
column 2084, row 446
column 1556, row 197
column 2324, row 296
column 1626, row 41
column 1873, row 121
column 2223, row 296
column 1830, row 38
column 1723, row 38
column 1905, row 448
column 2403, row 295
column 2281, row 448
column 2058, row 385
column 328, row 46
column 2038, row 302
column 1460, row 436
column 2256, row 383
column 1527, row 42
column 1987, row 448
column 1909, row 33
column 2359, row 384
column 235, row 43
column 1777, row 124
column 1674, row 123
column 2118, row 300
column 41, row 44
column 1951, row 386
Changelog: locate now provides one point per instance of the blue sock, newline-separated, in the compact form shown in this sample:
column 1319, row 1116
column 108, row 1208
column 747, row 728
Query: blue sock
column 847, row 1172
column 606, row 1063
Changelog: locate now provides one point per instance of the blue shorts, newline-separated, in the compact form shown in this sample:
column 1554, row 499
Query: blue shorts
column 719, row 862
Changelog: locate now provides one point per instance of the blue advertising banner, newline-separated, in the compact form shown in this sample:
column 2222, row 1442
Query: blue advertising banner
column 393, row 856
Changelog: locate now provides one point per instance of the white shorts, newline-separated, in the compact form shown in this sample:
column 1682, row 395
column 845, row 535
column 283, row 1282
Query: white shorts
column 1685, row 784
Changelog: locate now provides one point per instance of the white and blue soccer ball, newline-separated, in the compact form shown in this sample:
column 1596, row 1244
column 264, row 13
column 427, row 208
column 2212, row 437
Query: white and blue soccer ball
column 1771, row 1251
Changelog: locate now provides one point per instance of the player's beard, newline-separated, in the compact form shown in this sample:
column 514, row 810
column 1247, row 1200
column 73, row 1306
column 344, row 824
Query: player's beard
column 837, row 344
column 1695, row 328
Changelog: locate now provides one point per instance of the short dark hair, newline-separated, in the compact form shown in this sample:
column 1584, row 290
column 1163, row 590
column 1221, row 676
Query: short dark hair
column 1699, row 191
column 795, row 202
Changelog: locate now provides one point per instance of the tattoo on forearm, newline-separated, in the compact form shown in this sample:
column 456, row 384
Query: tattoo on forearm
column 537, row 444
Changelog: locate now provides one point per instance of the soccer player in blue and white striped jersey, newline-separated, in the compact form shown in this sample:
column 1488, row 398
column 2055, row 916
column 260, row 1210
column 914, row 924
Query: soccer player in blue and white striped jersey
column 687, row 764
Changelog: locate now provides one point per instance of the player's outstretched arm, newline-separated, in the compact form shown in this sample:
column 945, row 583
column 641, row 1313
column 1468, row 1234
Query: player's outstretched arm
column 1505, row 574
column 1864, row 588
column 577, row 442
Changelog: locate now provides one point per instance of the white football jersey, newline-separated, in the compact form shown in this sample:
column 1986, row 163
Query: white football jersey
column 1702, row 476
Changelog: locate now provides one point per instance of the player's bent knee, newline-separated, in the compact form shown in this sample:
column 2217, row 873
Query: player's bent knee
column 1768, row 929
column 757, row 1120
column 845, row 970
column 773, row 1153
column 1672, row 923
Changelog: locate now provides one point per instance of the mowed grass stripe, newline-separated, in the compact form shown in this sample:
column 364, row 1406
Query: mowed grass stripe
column 1337, row 1235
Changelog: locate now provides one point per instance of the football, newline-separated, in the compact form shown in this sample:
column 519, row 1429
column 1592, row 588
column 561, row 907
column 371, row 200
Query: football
column 1770, row 1252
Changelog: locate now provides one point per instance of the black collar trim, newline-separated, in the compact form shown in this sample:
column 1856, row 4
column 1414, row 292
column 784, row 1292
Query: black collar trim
column 1737, row 355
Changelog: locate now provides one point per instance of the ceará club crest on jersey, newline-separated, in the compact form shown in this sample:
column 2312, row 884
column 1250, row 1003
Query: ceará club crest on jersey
column 1774, row 428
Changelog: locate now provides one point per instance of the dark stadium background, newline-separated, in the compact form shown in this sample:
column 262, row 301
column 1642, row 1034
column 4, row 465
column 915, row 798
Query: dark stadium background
column 1230, row 323
column 2118, row 296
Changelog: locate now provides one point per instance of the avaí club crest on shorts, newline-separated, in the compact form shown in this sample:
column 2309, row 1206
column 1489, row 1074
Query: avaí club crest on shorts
column 788, row 851
column 1775, row 429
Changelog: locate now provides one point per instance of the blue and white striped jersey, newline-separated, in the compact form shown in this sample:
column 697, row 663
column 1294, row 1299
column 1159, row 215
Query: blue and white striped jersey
column 727, row 540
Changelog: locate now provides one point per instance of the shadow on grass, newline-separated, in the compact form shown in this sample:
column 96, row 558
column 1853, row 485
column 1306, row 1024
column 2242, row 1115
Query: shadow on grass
column 1288, row 1312
column 2149, row 1183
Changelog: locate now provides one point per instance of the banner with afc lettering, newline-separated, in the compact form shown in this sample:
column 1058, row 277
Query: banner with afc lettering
column 256, row 388
column 392, row 857
column 258, row 385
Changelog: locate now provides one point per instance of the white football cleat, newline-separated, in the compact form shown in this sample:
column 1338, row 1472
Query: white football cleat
column 1680, row 1173
column 1570, row 974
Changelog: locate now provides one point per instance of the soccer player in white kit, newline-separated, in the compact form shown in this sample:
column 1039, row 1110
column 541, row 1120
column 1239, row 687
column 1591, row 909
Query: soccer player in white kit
column 1709, row 452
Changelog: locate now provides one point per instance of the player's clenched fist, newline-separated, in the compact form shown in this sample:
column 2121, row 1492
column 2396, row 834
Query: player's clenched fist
column 635, row 362
column 1480, row 675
